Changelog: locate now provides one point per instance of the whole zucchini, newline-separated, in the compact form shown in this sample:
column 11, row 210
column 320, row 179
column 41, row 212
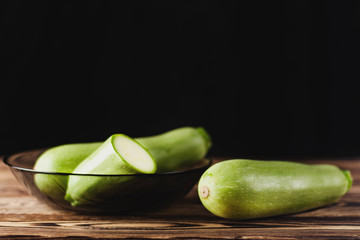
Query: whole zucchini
column 245, row 189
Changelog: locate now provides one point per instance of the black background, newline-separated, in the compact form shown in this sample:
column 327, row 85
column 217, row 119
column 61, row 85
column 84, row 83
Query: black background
column 271, row 79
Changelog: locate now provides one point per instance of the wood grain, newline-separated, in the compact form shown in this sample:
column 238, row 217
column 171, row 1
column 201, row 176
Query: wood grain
column 24, row 217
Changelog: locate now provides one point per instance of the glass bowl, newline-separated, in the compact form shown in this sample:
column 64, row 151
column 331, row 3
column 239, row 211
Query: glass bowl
column 136, row 192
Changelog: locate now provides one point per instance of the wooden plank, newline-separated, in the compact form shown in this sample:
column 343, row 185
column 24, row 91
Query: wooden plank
column 24, row 217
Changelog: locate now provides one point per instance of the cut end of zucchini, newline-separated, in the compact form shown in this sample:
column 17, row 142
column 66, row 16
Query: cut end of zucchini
column 134, row 154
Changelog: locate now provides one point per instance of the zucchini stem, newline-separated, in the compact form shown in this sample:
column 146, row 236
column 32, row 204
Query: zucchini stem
column 204, row 191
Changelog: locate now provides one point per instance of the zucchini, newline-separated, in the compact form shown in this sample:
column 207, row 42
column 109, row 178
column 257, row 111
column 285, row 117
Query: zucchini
column 244, row 189
column 119, row 154
column 62, row 159
column 178, row 148
column 171, row 150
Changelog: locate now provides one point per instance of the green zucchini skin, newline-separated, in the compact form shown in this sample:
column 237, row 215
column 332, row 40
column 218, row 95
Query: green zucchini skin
column 104, row 160
column 245, row 189
column 171, row 150
column 177, row 148
column 63, row 159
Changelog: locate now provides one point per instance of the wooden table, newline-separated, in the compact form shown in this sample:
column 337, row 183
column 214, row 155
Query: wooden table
column 24, row 217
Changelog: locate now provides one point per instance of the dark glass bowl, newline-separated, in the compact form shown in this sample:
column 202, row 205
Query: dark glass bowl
column 138, row 192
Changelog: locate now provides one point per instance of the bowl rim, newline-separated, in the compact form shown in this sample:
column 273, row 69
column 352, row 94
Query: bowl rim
column 12, row 166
